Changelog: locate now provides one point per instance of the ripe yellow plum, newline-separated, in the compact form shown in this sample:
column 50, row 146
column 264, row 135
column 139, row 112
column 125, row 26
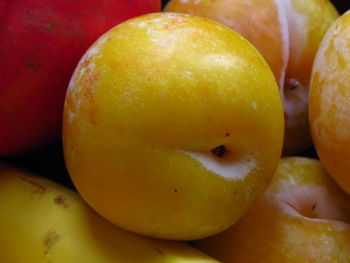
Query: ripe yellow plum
column 173, row 126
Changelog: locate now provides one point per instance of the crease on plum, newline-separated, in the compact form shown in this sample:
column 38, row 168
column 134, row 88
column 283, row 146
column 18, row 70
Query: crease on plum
column 284, row 29
column 298, row 30
column 289, row 207
column 292, row 211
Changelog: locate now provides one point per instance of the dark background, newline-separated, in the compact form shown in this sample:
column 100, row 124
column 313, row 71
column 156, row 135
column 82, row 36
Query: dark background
column 49, row 162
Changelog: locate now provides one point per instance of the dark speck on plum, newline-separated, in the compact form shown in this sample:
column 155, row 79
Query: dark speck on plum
column 219, row 151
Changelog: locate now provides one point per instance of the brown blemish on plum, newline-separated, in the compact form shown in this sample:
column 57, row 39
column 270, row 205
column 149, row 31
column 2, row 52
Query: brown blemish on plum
column 49, row 240
column 314, row 207
column 175, row 190
column 219, row 151
column 39, row 188
column 227, row 134
column 61, row 201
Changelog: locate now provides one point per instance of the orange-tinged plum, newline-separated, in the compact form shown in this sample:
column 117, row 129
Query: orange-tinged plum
column 329, row 108
column 287, row 33
column 173, row 125
column 303, row 216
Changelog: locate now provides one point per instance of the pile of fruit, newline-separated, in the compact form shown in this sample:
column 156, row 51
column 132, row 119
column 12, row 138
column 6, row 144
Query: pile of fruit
column 208, row 131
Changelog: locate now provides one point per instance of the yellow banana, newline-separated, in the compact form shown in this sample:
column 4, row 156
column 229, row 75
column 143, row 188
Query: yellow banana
column 41, row 221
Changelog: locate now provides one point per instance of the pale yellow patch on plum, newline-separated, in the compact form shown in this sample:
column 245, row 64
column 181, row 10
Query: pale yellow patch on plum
column 235, row 170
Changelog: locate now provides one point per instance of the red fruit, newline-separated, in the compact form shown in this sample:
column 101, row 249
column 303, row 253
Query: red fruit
column 41, row 43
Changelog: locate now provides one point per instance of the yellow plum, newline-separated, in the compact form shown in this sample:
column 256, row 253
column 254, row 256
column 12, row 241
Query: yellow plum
column 173, row 126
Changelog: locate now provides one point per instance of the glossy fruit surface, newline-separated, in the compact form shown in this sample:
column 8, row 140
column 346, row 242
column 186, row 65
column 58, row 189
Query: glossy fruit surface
column 173, row 125
column 330, row 101
column 287, row 33
column 42, row 221
column 302, row 217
